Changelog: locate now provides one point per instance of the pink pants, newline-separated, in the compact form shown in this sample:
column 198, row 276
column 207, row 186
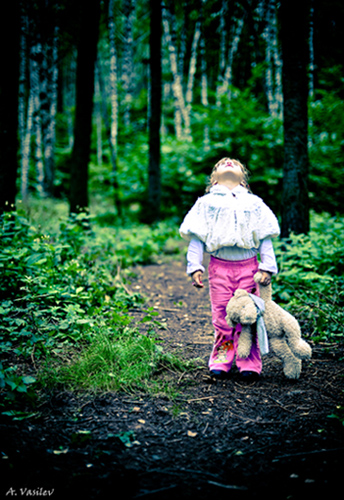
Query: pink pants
column 224, row 278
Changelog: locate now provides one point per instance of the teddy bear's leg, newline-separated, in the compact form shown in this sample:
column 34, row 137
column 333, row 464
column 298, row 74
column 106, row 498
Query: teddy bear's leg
column 299, row 347
column 292, row 368
column 291, row 365
column 245, row 342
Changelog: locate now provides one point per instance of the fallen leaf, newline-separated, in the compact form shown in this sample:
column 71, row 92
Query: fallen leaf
column 192, row 434
column 59, row 452
column 142, row 421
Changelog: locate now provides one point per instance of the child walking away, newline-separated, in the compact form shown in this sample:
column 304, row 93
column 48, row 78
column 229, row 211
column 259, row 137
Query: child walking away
column 233, row 226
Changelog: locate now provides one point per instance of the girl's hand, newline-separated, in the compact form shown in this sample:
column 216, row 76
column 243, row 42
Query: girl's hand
column 266, row 278
column 197, row 282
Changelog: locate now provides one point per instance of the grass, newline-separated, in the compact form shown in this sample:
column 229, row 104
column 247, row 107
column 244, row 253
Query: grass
column 126, row 361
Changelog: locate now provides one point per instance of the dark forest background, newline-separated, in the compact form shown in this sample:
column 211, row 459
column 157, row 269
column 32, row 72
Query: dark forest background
column 128, row 104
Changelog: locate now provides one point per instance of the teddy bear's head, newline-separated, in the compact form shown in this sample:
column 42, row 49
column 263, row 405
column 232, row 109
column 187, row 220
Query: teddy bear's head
column 241, row 309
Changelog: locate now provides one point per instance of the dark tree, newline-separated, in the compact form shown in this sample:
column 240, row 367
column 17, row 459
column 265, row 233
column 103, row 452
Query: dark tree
column 9, row 82
column 295, row 54
column 89, row 18
column 154, row 178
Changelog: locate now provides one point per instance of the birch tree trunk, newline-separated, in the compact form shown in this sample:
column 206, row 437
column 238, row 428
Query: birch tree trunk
column 223, row 36
column 311, row 67
column 268, row 68
column 225, row 87
column 35, row 89
column 98, row 116
column 273, row 76
column 204, row 89
column 68, row 97
column 23, row 112
column 113, row 89
column 177, row 87
column 311, row 51
column 154, row 176
column 128, row 66
column 278, row 67
column 192, row 67
column 26, row 142
column 51, row 57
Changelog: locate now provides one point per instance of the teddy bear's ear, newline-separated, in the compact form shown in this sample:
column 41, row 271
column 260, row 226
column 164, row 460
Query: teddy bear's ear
column 240, row 293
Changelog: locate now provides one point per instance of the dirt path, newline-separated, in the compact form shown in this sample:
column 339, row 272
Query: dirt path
column 271, row 438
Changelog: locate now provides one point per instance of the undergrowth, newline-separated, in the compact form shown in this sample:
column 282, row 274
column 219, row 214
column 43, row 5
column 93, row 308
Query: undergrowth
column 310, row 282
column 64, row 305
column 65, row 302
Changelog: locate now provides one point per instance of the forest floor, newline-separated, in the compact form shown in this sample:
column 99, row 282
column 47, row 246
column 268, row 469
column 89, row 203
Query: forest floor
column 271, row 438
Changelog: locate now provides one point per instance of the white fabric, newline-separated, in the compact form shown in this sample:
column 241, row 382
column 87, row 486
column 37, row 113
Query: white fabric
column 266, row 251
column 228, row 218
column 262, row 335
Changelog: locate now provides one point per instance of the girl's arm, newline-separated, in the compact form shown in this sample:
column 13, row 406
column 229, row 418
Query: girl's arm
column 268, row 264
column 194, row 261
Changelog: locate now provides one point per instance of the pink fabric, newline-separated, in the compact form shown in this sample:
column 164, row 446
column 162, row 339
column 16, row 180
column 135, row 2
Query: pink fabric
column 224, row 278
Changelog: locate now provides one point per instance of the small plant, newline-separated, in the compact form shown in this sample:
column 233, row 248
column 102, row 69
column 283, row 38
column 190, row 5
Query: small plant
column 339, row 414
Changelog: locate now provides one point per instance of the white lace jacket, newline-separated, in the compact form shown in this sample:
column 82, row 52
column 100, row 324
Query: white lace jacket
column 227, row 218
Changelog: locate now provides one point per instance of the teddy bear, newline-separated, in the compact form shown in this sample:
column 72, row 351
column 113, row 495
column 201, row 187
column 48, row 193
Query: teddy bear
column 283, row 330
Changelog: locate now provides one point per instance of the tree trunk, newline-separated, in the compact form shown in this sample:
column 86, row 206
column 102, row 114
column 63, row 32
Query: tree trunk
column 49, row 136
column 128, row 66
column 89, row 16
column 98, row 116
column 295, row 209
column 68, row 96
column 273, row 84
column 223, row 37
column 192, row 67
column 24, row 111
column 9, row 88
column 181, row 113
column 278, row 67
column 204, row 82
column 269, row 85
column 311, row 51
column 154, row 181
column 226, row 80
column 112, row 127
column 36, row 54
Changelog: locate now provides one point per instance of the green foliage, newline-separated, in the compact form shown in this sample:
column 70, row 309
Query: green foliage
column 54, row 288
column 240, row 127
column 310, row 282
column 326, row 153
column 338, row 415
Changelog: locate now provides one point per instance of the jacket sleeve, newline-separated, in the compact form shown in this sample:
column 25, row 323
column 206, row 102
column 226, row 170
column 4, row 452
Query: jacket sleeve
column 194, row 256
column 267, row 257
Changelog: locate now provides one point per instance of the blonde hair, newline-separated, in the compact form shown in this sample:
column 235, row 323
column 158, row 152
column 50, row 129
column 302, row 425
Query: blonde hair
column 212, row 178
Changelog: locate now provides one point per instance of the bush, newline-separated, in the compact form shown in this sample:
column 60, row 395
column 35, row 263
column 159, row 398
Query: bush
column 54, row 289
column 310, row 281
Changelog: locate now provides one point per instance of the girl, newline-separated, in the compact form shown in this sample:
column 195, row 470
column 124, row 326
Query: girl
column 233, row 226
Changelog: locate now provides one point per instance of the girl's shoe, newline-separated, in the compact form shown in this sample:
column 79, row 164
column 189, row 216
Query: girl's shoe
column 249, row 376
column 220, row 374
